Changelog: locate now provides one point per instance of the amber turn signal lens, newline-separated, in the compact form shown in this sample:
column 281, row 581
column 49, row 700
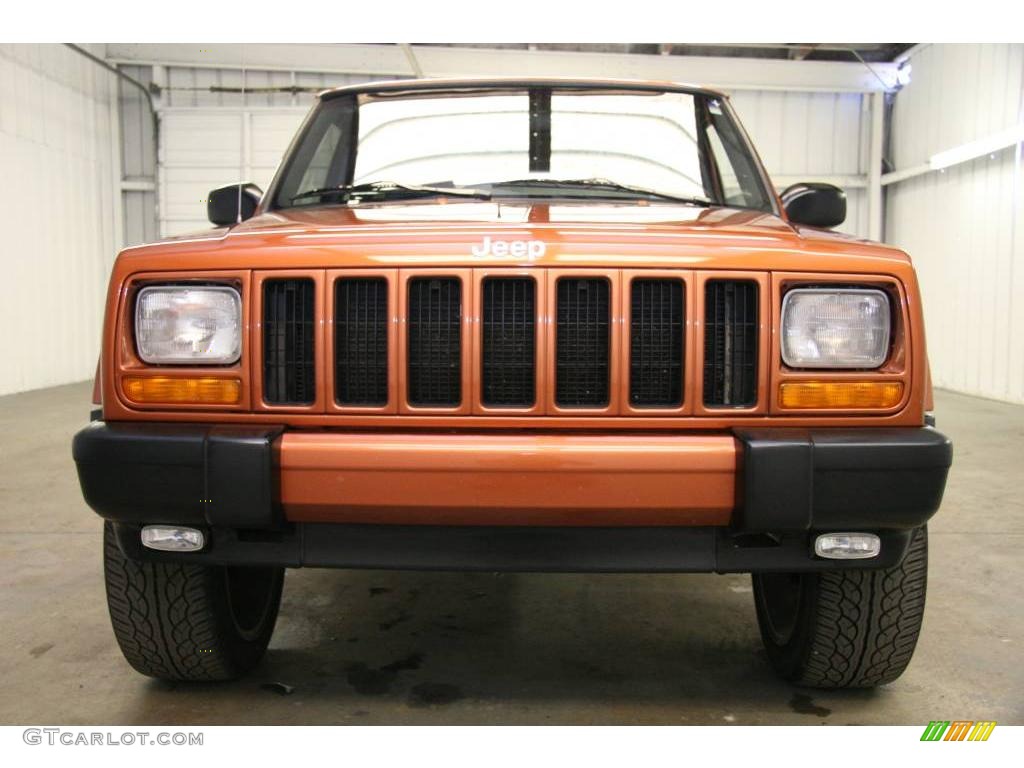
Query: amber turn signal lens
column 206, row 390
column 840, row 394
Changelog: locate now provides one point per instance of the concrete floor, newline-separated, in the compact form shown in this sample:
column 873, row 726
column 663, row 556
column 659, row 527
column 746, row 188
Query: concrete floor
column 382, row 647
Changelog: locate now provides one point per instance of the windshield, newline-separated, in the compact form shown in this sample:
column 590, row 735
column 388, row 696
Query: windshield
column 537, row 142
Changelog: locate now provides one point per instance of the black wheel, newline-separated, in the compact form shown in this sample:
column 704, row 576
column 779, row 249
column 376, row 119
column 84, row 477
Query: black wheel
column 844, row 629
column 190, row 622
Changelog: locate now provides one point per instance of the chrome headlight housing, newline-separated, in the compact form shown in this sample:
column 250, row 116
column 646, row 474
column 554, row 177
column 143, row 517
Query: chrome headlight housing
column 201, row 325
column 835, row 328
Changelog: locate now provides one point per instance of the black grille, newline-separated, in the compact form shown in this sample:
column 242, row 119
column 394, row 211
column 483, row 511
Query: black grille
column 656, row 343
column 434, row 325
column 730, row 343
column 288, row 357
column 509, row 342
column 581, row 343
column 361, row 341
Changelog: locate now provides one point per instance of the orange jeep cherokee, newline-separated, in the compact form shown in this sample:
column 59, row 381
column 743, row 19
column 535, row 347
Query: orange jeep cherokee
column 516, row 325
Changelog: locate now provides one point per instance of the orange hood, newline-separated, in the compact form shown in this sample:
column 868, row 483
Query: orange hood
column 457, row 233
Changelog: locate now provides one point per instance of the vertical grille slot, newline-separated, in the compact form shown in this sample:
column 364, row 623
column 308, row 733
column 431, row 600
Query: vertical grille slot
column 656, row 343
column 730, row 343
column 582, row 342
column 508, row 356
column 361, row 341
column 288, row 335
column 434, row 328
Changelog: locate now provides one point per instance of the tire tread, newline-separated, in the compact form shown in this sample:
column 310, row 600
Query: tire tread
column 169, row 618
column 862, row 626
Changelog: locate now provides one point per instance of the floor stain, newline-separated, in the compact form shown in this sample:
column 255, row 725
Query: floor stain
column 413, row 661
column 434, row 694
column 39, row 650
column 374, row 591
column 588, row 670
column 386, row 625
column 374, row 682
column 282, row 689
column 803, row 704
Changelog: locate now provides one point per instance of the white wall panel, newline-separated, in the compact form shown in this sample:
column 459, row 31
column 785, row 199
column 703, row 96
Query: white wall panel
column 212, row 134
column 811, row 137
column 964, row 227
column 198, row 87
column 56, row 115
column 205, row 148
column 138, row 160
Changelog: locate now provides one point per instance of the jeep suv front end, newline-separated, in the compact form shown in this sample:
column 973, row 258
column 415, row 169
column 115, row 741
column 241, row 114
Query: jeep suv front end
column 533, row 325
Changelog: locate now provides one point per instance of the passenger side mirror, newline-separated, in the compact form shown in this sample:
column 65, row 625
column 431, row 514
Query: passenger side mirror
column 229, row 205
column 815, row 204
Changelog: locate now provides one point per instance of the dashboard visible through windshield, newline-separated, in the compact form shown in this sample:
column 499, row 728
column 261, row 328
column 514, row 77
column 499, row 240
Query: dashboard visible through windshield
column 535, row 142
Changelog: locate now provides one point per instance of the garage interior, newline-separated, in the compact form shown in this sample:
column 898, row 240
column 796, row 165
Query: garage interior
column 108, row 146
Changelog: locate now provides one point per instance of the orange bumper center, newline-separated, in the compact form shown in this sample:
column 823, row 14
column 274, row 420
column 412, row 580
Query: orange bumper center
column 499, row 479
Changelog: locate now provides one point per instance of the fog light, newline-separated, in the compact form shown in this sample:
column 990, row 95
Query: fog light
column 847, row 546
column 172, row 539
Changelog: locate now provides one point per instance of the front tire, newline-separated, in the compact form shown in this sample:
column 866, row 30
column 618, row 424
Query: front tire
column 844, row 629
column 189, row 622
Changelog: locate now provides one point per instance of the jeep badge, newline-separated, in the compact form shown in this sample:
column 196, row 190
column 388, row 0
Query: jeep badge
column 532, row 249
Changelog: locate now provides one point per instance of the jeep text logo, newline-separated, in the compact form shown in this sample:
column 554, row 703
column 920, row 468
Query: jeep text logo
column 531, row 249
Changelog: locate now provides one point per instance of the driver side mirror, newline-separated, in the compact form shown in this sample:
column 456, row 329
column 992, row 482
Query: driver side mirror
column 227, row 206
column 815, row 204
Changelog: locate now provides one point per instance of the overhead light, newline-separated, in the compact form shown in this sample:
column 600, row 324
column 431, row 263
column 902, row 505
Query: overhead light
column 903, row 73
column 979, row 148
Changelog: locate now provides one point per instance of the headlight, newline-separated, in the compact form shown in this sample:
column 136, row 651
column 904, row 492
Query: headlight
column 182, row 324
column 839, row 328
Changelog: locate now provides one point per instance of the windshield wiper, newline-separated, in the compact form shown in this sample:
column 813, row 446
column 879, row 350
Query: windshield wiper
column 390, row 190
column 604, row 185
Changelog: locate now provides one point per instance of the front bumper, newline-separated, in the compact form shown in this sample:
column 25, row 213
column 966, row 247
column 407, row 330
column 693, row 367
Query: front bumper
column 742, row 501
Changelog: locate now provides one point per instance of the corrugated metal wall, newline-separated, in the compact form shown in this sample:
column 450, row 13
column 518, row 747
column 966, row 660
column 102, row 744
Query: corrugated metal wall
column 57, row 156
column 811, row 137
column 190, row 87
column 138, row 161
column 964, row 227
column 239, row 144
column 211, row 135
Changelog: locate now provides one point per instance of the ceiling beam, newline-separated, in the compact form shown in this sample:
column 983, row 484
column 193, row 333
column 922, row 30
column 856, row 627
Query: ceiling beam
column 726, row 73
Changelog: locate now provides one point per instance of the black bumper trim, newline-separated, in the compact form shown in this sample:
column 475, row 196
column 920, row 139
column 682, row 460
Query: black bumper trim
column 514, row 549
column 793, row 483
column 179, row 473
column 834, row 479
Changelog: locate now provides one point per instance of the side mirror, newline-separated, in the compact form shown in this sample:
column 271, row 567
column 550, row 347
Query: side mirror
column 229, row 205
column 814, row 204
